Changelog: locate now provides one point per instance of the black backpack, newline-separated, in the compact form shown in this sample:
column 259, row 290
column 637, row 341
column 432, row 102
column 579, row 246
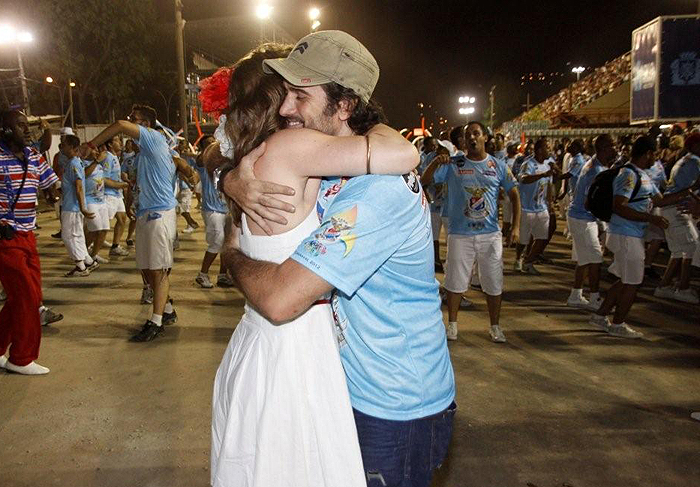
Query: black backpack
column 599, row 200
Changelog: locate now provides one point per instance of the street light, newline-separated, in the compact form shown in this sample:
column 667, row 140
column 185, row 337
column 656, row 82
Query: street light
column 578, row 70
column 315, row 25
column 49, row 79
column 10, row 35
column 314, row 13
column 467, row 110
column 263, row 12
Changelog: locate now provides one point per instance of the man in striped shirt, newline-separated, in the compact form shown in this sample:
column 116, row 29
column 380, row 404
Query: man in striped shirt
column 20, row 273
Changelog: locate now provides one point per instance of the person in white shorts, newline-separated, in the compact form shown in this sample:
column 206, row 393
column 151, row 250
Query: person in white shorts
column 682, row 233
column 74, row 209
column 474, row 182
column 98, row 226
column 535, row 195
column 156, row 219
column 214, row 212
column 114, row 196
column 626, row 237
column 435, row 194
column 185, row 192
column 586, row 249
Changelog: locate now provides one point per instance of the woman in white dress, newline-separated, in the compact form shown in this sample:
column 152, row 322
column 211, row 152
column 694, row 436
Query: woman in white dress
column 281, row 412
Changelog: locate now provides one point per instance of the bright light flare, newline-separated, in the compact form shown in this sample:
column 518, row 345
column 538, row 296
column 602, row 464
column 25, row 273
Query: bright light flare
column 72, row 84
column 315, row 25
column 10, row 35
column 467, row 111
column 263, row 11
column 578, row 69
column 314, row 13
column 49, row 79
column 25, row 37
column 467, row 99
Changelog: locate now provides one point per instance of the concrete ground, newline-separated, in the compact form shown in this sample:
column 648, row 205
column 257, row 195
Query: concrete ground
column 559, row 405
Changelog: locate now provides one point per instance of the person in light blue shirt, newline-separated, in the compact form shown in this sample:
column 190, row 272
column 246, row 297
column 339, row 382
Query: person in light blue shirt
column 114, row 197
column 654, row 236
column 156, row 219
column 74, row 209
column 535, row 196
column 128, row 166
column 586, row 250
column 97, row 227
column 436, row 195
column 474, row 182
column 631, row 214
column 506, row 204
column 682, row 233
column 214, row 212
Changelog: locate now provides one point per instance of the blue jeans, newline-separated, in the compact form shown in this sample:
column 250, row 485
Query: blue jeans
column 403, row 453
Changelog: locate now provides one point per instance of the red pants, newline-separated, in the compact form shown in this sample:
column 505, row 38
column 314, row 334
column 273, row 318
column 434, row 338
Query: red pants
column 20, row 275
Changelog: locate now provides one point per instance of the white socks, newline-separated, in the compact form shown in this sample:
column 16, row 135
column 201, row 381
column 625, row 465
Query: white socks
column 80, row 264
column 168, row 307
column 157, row 319
column 88, row 260
column 576, row 293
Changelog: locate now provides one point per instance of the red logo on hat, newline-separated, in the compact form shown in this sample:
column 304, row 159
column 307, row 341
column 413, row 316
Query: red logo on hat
column 306, row 80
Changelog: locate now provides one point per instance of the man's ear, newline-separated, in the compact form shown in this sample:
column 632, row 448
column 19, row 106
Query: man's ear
column 345, row 109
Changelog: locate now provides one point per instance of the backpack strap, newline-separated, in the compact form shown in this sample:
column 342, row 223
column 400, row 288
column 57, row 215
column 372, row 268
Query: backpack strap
column 637, row 185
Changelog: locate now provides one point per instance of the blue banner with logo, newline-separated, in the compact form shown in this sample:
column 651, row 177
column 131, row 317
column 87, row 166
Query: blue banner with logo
column 644, row 80
column 679, row 87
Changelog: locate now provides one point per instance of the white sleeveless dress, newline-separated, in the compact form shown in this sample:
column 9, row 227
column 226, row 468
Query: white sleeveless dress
column 281, row 414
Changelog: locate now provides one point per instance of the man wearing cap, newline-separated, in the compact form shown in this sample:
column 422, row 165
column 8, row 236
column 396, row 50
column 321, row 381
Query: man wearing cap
column 374, row 252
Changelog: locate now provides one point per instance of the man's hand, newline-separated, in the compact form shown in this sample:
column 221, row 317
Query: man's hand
column 659, row 221
column 514, row 236
column 130, row 213
column 87, row 214
column 253, row 196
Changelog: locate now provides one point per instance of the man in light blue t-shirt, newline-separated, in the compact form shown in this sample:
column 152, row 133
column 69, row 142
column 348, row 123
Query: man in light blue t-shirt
column 536, row 194
column 682, row 233
column 631, row 214
column 374, row 250
column 474, row 182
column 114, row 194
column 155, row 218
column 586, row 249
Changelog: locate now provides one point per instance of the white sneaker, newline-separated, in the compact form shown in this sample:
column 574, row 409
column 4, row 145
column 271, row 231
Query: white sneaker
column 595, row 304
column 686, row 295
column 452, row 331
column 32, row 368
column 624, row 330
column 667, row 292
column 188, row 229
column 101, row 259
column 119, row 250
column 3, row 361
column 496, row 334
column 600, row 322
column 203, row 281
column 531, row 270
column 465, row 303
column 518, row 265
column 578, row 302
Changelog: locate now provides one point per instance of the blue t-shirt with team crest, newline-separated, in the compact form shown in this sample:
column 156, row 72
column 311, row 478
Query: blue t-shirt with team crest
column 375, row 247
column 156, row 173
column 533, row 196
column 472, row 193
column 623, row 185
column 577, row 207
column 95, row 184
column 684, row 174
column 73, row 171
column 113, row 171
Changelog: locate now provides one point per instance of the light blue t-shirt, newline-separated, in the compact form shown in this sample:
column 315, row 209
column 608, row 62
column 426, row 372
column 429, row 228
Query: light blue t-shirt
column 113, row 171
column 73, row 171
column 657, row 174
column 435, row 191
column 684, row 174
column 577, row 207
column 533, row 196
column 375, row 247
column 575, row 166
column 95, row 184
column 156, row 173
column 211, row 197
column 623, row 185
column 473, row 188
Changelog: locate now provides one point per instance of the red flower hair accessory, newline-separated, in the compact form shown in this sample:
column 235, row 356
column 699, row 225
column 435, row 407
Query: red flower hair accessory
column 213, row 94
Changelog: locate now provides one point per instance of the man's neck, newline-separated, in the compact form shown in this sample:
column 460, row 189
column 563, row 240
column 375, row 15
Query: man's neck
column 477, row 155
column 541, row 161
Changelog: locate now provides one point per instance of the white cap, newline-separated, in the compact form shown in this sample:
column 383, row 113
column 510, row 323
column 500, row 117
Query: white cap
column 66, row 131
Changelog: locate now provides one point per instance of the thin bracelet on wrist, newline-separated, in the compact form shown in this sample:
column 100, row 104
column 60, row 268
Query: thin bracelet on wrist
column 369, row 154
